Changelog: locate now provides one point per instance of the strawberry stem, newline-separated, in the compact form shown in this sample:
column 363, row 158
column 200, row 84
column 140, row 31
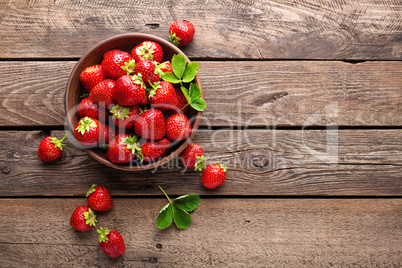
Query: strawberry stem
column 170, row 201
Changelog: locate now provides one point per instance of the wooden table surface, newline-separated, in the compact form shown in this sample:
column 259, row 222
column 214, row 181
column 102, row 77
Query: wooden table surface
column 304, row 106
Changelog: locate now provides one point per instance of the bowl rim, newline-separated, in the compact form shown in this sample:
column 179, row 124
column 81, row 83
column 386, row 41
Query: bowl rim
column 91, row 152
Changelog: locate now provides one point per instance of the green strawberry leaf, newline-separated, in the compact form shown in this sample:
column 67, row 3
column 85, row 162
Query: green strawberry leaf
column 179, row 65
column 181, row 218
column 195, row 92
column 199, row 104
column 187, row 202
column 190, row 72
column 186, row 94
column 171, row 78
column 165, row 217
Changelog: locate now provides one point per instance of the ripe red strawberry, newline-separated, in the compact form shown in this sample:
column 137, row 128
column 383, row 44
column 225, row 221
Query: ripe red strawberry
column 182, row 102
column 178, row 127
column 193, row 157
column 145, row 101
column 129, row 90
column 163, row 96
column 88, row 108
column 83, row 218
column 147, row 50
column 50, row 148
column 214, row 175
column 166, row 67
column 111, row 242
column 91, row 76
column 152, row 150
column 102, row 93
column 181, row 33
column 124, row 117
column 99, row 199
column 108, row 135
column 88, row 130
column 147, row 70
column 111, row 53
column 123, row 148
column 117, row 63
column 150, row 125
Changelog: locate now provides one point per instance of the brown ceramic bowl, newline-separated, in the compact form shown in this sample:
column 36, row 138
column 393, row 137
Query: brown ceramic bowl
column 74, row 89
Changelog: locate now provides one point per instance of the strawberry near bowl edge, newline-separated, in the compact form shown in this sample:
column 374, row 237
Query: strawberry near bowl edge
column 94, row 55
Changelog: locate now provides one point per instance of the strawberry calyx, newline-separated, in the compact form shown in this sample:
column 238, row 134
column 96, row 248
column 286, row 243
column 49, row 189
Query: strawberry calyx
column 174, row 39
column 85, row 125
column 145, row 51
column 91, row 190
column 103, row 234
column 159, row 67
column 120, row 112
column 154, row 87
column 129, row 66
column 137, row 79
column 90, row 217
column 131, row 143
column 222, row 166
column 58, row 143
column 200, row 164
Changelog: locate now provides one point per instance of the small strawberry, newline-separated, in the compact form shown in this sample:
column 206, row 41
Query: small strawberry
column 111, row 242
column 108, row 135
column 123, row 148
column 178, row 127
column 117, row 63
column 163, row 96
column 147, row 50
column 193, row 157
column 181, row 33
column 124, row 117
column 214, row 175
column 99, row 199
column 50, row 148
column 102, row 93
column 83, row 218
column 150, row 125
column 129, row 90
column 88, row 130
column 147, row 70
column 152, row 150
column 182, row 102
column 91, row 76
column 88, row 108
column 165, row 67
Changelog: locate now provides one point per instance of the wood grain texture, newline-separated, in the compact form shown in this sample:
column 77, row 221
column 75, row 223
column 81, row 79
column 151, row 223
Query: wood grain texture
column 224, row 233
column 260, row 162
column 274, row 93
column 254, row 29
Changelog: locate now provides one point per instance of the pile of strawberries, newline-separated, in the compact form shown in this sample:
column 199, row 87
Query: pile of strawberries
column 84, row 218
column 129, row 88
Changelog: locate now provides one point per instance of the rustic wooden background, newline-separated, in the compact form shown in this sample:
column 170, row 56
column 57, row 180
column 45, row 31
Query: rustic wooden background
column 279, row 63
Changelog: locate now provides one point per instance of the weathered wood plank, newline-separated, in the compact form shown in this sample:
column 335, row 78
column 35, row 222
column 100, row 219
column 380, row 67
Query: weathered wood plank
column 224, row 233
column 275, row 93
column 260, row 162
column 254, row 29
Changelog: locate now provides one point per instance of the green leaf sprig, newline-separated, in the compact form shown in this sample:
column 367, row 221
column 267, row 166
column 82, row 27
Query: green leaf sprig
column 185, row 73
column 177, row 210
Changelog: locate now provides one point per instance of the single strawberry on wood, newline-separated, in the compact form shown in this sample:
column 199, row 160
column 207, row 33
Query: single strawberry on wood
column 99, row 198
column 50, row 148
column 111, row 242
column 181, row 33
column 83, row 218
column 193, row 157
column 213, row 175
